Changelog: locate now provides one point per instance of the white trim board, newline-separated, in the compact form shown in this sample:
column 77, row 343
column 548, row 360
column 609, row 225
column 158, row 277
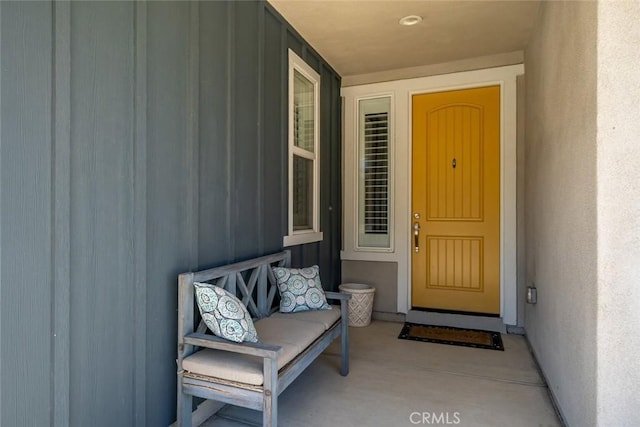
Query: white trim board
column 402, row 90
column 299, row 237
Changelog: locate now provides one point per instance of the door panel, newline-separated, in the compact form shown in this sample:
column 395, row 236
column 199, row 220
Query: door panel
column 456, row 194
column 454, row 262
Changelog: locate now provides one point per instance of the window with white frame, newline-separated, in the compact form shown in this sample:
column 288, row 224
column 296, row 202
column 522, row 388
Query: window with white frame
column 374, row 160
column 304, row 153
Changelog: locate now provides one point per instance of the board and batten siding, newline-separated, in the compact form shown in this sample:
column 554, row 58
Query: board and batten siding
column 138, row 140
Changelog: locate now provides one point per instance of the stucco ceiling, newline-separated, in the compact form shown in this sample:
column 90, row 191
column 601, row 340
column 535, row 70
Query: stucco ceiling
column 363, row 36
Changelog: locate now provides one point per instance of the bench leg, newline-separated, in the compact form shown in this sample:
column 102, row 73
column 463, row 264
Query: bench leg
column 344, row 353
column 270, row 411
column 185, row 406
column 270, row 396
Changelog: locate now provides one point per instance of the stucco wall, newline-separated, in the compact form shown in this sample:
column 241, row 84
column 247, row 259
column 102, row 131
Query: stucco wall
column 618, row 213
column 381, row 275
column 560, row 190
column 469, row 64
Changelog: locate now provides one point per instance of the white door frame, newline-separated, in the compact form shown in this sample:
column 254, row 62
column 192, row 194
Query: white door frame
column 402, row 91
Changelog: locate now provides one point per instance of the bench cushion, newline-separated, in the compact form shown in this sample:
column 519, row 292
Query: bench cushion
column 294, row 336
column 325, row 317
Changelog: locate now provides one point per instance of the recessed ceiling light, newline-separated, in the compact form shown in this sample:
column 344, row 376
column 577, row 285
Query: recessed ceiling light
column 410, row 20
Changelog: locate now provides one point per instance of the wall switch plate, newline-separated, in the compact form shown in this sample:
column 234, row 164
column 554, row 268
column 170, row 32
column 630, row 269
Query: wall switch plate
column 532, row 295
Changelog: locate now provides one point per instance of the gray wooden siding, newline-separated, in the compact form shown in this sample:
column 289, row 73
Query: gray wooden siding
column 26, row 201
column 103, row 336
column 137, row 141
column 170, row 182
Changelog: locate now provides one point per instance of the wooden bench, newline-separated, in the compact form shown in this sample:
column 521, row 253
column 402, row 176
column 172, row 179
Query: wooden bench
column 209, row 367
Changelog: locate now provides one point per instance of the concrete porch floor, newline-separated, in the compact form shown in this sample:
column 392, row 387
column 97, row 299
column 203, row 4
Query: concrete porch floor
column 391, row 379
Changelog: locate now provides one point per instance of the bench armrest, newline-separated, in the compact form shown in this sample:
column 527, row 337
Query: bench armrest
column 216, row 343
column 338, row 296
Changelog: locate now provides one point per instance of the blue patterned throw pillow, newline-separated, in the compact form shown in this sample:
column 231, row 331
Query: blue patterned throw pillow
column 224, row 314
column 300, row 289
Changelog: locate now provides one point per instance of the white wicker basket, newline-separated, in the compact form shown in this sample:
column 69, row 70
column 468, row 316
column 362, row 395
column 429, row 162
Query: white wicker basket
column 360, row 304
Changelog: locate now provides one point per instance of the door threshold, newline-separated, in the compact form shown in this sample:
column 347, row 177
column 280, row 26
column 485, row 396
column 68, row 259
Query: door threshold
column 487, row 323
column 464, row 313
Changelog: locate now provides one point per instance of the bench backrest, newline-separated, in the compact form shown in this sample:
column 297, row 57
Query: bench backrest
column 252, row 281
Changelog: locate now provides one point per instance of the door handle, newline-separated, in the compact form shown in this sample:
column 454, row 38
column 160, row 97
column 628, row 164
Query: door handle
column 416, row 236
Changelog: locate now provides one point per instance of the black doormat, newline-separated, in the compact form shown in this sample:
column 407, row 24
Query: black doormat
column 452, row 336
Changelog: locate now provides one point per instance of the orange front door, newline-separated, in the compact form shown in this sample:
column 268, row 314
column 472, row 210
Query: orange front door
column 456, row 201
